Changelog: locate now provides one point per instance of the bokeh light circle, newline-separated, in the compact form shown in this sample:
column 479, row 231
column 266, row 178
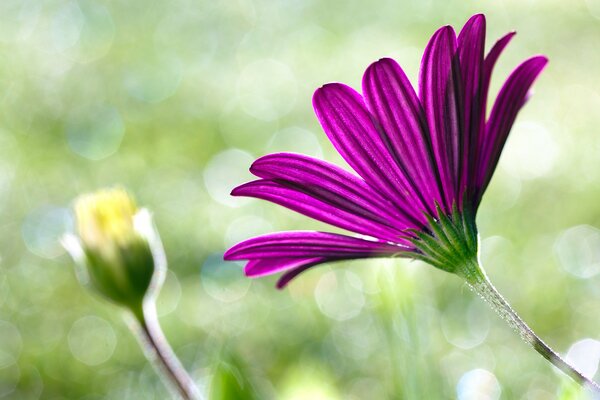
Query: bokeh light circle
column 295, row 140
column 465, row 326
column 95, row 133
column 225, row 171
column 92, row 340
column 223, row 281
column 339, row 295
column 267, row 89
column 19, row 18
column 170, row 295
column 155, row 80
column 478, row 384
column 531, row 152
column 578, row 250
column 244, row 227
column 83, row 30
column 11, row 344
column 43, row 228
column 584, row 356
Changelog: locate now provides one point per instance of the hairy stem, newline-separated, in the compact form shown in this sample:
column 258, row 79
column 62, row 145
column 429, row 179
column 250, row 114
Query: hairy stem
column 480, row 284
column 159, row 352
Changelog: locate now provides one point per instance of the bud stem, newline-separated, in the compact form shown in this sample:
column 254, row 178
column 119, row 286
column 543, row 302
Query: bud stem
column 480, row 284
column 160, row 354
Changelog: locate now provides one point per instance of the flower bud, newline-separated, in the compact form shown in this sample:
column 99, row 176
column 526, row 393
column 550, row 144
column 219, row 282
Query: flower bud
column 116, row 246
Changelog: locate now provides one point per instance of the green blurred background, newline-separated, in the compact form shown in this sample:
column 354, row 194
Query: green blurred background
column 174, row 99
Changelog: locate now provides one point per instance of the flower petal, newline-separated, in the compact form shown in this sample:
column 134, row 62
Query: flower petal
column 310, row 244
column 511, row 98
column 322, row 205
column 393, row 101
column 331, row 184
column 440, row 91
column 490, row 62
column 293, row 273
column 471, row 43
column 348, row 124
column 267, row 266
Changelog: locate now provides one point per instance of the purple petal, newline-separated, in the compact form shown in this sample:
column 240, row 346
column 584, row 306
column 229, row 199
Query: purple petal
column 322, row 205
column 393, row 101
column 310, row 244
column 490, row 62
column 511, row 98
column 348, row 124
column 471, row 43
column 331, row 184
column 268, row 266
column 440, row 91
column 288, row 276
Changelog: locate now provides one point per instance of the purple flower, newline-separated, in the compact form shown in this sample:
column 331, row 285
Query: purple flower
column 423, row 161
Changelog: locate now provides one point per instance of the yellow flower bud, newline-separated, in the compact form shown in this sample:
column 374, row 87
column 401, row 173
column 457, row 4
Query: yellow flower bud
column 116, row 245
column 105, row 218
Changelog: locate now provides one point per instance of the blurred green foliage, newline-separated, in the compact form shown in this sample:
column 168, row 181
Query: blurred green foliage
column 230, row 380
column 174, row 99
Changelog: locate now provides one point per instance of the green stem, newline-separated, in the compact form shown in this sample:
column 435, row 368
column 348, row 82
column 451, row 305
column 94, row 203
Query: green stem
column 159, row 353
column 480, row 284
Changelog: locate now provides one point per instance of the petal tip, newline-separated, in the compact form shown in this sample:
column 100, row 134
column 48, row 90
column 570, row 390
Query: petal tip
column 477, row 20
column 237, row 191
column 539, row 62
column 281, row 285
column 383, row 61
column 229, row 254
column 327, row 87
column 480, row 17
column 254, row 169
column 319, row 94
column 248, row 272
column 323, row 97
column 251, row 189
column 446, row 31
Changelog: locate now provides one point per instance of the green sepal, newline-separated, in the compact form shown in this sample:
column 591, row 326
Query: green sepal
column 123, row 278
column 449, row 242
column 430, row 249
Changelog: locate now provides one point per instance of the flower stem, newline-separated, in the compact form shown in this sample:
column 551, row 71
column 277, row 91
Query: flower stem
column 480, row 284
column 159, row 352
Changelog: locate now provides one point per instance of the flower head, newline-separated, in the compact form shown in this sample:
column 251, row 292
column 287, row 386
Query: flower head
column 423, row 161
column 116, row 245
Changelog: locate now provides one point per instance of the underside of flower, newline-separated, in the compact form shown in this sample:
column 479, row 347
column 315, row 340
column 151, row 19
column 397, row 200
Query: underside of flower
column 423, row 160
column 450, row 243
